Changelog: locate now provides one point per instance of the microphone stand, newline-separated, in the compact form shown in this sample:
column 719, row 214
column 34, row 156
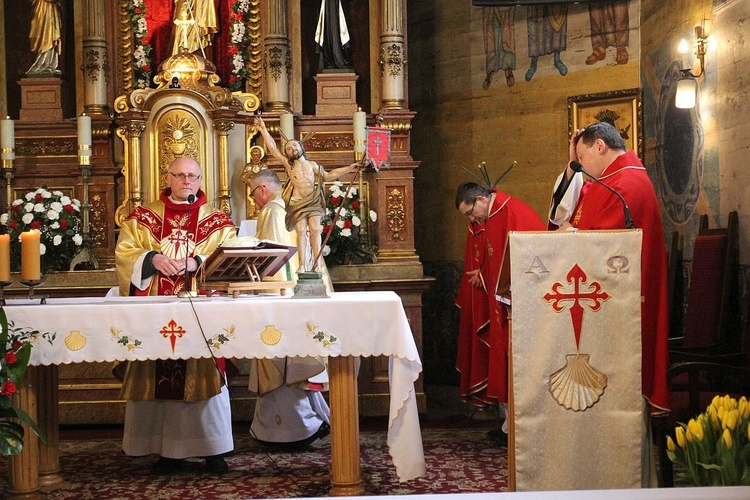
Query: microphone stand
column 577, row 167
column 186, row 292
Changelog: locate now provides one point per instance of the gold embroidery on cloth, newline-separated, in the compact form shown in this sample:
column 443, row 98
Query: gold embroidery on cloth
column 75, row 340
column 270, row 335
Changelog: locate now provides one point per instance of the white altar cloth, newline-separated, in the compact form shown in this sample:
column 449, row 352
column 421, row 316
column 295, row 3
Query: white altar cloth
column 263, row 326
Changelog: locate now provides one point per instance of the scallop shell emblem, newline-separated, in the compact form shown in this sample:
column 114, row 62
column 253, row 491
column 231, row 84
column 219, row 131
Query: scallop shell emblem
column 75, row 340
column 270, row 335
column 577, row 386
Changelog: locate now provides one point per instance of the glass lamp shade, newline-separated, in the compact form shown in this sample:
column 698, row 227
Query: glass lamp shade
column 687, row 89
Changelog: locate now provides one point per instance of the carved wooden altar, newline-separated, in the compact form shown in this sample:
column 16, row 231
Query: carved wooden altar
column 189, row 111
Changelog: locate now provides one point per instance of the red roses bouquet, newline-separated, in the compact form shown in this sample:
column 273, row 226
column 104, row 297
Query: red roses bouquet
column 55, row 216
column 348, row 242
column 15, row 351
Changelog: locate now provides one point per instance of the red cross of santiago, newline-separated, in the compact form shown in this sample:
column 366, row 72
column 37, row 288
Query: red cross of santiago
column 593, row 297
column 172, row 331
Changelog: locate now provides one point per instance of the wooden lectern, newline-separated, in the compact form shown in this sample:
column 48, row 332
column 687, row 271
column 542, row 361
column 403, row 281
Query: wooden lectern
column 235, row 269
column 575, row 406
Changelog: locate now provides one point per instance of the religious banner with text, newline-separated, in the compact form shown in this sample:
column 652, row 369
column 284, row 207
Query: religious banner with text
column 576, row 359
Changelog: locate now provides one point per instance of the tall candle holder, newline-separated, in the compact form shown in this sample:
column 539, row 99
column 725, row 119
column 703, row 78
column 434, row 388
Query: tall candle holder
column 32, row 284
column 85, row 253
column 8, row 154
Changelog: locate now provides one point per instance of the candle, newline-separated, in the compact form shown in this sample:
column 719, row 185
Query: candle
column 7, row 139
column 30, row 256
column 84, row 135
column 359, row 133
column 5, row 258
column 287, row 126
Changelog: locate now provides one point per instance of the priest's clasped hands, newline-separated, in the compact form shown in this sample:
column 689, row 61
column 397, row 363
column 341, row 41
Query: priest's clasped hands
column 171, row 267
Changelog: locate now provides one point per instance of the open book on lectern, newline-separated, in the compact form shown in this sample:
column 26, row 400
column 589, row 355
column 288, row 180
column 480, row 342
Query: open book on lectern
column 246, row 259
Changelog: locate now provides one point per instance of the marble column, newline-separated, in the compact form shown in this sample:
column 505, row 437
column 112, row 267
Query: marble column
column 95, row 65
column 392, row 55
column 277, row 58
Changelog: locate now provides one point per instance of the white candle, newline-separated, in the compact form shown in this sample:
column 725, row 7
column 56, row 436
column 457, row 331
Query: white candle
column 84, row 135
column 287, row 126
column 359, row 132
column 7, row 139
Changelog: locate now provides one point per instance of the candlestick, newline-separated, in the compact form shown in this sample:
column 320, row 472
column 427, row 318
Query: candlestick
column 84, row 135
column 286, row 125
column 359, row 133
column 7, row 139
column 30, row 256
column 4, row 257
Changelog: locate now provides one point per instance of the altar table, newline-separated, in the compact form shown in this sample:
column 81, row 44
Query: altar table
column 342, row 328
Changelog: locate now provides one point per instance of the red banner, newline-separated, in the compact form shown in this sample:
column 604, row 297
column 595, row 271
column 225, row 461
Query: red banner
column 379, row 147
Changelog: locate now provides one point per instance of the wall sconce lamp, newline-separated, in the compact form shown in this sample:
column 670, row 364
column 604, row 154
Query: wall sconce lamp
column 687, row 85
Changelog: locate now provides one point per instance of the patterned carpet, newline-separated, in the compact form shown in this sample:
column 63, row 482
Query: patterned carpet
column 458, row 461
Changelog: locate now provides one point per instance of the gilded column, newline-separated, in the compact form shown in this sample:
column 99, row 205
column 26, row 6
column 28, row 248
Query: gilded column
column 392, row 55
column 346, row 473
column 223, row 127
column 48, row 400
column 95, row 65
column 130, row 133
column 277, row 63
column 23, row 480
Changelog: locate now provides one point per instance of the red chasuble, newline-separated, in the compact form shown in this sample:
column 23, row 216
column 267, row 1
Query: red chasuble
column 482, row 357
column 598, row 208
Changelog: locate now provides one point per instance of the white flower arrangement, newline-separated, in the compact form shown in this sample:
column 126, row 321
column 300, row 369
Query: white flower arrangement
column 347, row 243
column 142, row 51
column 55, row 216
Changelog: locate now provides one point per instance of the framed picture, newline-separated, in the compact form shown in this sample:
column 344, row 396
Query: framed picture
column 621, row 108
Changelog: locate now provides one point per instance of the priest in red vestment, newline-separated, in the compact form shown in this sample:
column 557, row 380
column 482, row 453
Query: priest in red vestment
column 603, row 154
column 482, row 358
column 176, row 409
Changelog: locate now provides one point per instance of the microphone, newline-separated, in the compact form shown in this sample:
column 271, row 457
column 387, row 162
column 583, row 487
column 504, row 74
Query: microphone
column 190, row 200
column 576, row 166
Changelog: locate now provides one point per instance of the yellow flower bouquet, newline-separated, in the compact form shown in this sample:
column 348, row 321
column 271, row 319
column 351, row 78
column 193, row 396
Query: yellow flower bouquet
column 714, row 447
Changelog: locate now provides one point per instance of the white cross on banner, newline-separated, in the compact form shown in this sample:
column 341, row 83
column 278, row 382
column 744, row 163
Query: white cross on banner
column 379, row 147
column 577, row 410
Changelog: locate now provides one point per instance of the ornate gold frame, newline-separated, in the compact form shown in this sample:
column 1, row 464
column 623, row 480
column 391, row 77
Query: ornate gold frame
column 623, row 107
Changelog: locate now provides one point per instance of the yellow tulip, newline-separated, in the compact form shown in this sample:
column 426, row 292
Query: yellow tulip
column 696, row 429
column 730, row 419
column 748, row 432
column 670, row 444
column 712, row 415
column 727, row 437
column 716, row 401
column 680, row 434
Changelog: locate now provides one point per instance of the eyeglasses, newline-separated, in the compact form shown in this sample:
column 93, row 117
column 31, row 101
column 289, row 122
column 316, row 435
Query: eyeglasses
column 182, row 177
column 252, row 193
column 471, row 211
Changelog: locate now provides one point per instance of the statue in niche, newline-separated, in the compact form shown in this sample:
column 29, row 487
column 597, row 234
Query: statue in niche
column 257, row 163
column 45, row 37
column 194, row 25
column 332, row 37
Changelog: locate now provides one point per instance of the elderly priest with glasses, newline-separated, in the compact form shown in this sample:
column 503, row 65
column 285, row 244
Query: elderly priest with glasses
column 160, row 244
